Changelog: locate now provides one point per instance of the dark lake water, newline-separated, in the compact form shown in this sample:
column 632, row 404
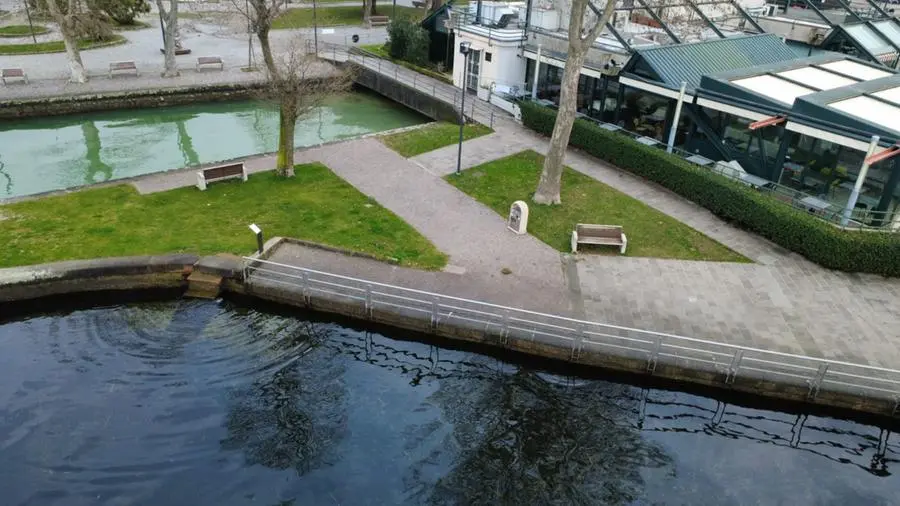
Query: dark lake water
column 205, row 403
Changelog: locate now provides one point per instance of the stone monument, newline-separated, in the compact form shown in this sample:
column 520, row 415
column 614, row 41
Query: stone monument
column 518, row 217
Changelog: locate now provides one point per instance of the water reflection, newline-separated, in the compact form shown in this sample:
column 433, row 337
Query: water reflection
column 209, row 404
column 42, row 154
column 95, row 165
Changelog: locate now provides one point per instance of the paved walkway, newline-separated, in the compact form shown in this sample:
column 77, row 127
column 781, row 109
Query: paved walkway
column 49, row 73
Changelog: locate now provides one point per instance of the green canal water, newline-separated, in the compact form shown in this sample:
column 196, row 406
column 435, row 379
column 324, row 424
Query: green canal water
column 52, row 153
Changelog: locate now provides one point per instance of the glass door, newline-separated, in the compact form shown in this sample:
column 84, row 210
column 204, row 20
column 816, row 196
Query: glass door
column 474, row 71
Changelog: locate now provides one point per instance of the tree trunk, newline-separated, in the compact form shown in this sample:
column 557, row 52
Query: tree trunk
column 368, row 10
column 170, row 30
column 551, row 177
column 263, row 35
column 372, row 7
column 287, row 118
column 579, row 43
column 67, row 30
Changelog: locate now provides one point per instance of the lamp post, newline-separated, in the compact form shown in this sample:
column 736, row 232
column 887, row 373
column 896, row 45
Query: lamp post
column 464, row 49
column 30, row 25
column 315, row 29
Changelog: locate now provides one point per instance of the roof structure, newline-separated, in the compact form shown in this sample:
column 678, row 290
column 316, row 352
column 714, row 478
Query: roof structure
column 877, row 40
column 833, row 93
column 673, row 64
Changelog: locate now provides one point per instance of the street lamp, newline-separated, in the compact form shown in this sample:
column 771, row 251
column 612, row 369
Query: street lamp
column 464, row 49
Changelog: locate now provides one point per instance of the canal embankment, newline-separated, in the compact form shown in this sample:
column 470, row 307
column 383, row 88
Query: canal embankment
column 669, row 358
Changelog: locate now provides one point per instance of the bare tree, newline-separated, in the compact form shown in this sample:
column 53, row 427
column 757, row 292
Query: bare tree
column 260, row 15
column 299, row 84
column 582, row 33
column 170, row 30
column 68, row 27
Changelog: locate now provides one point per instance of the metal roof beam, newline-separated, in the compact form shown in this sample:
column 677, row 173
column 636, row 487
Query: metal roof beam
column 659, row 20
column 746, row 16
column 884, row 38
column 819, row 13
column 618, row 36
column 706, row 19
column 879, row 99
column 599, row 13
column 850, row 10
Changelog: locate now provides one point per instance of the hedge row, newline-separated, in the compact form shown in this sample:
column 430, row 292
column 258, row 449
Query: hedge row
column 829, row 246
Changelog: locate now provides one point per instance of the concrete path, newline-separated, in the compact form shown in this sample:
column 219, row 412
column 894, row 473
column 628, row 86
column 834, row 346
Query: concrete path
column 49, row 73
column 781, row 302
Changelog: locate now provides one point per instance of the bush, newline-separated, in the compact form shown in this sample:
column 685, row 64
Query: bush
column 829, row 246
column 408, row 41
column 123, row 12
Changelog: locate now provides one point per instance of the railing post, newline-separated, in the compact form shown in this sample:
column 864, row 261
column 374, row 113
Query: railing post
column 492, row 119
column 816, row 382
column 414, row 80
column 304, row 289
column 731, row 374
column 578, row 343
column 651, row 362
column 435, row 313
column 433, row 89
column 504, row 330
column 369, row 309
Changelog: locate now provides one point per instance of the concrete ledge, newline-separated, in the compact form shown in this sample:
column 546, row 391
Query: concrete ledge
column 132, row 99
column 747, row 383
column 104, row 274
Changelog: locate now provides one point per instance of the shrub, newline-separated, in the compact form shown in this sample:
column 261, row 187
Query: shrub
column 408, row 41
column 829, row 246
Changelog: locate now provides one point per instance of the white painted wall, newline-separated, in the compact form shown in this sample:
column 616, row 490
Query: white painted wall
column 506, row 67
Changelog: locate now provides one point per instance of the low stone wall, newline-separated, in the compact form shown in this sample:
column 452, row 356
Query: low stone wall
column 19, row 284
column 402, row 94
column 135, row 99
column 169, row 272
column 746, row 383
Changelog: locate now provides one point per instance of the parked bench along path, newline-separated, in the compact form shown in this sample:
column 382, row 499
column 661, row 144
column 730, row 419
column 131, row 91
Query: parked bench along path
column 122, row 66
column 13, row 73
column 221, row 173
column 602, row 235
column 210, row 61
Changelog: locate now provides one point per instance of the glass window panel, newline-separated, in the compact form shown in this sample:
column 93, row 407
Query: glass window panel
column 868, row 39
column 817, row 78
column 774, row 88
column 891, row 94
column 871, row 110
column 853, row 69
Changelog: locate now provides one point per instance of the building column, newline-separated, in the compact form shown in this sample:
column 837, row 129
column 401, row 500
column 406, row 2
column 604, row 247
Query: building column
column 537, row 74
column 787, row 137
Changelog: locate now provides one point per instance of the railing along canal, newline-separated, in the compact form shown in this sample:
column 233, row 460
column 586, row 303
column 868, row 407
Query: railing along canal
column 578, row 336
column 475, row 110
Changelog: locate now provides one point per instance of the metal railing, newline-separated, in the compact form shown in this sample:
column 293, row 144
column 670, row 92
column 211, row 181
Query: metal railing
column 476, row 110
column 577, row 336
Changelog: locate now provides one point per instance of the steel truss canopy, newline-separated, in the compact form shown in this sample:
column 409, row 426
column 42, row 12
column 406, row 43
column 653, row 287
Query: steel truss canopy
column 830, row 96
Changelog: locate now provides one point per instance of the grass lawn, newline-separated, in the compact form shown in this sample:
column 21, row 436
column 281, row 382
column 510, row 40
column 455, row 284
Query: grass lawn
column 650, row 233
column 21, row 30
column 57, row 46
column 431, row 137
column 316, row 205
column 336, row 16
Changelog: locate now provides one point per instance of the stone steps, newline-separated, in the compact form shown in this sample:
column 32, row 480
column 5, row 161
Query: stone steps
column 203, row 286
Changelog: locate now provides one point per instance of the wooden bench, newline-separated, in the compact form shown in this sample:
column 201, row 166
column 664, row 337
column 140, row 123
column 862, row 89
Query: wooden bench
column 604, row 235
column 220, row 173
column 14, row 73
column 210, row 61
column 122, row 66
column 379, row 21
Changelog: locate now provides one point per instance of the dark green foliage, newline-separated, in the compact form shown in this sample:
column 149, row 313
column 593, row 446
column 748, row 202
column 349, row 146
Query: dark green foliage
column 851, row 251
column 408, row 41
column 123, row 12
